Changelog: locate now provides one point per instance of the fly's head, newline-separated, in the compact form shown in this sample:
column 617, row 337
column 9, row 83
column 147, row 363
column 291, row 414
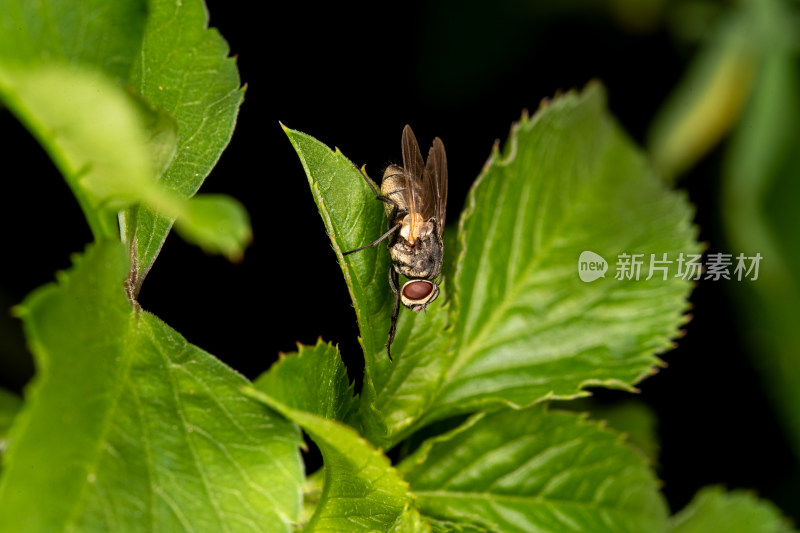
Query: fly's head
column 416, row 294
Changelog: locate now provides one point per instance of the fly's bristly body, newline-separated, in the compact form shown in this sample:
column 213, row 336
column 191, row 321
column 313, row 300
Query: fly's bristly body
column 415, row 198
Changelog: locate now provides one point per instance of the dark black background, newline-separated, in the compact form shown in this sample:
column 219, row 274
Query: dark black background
column 353, row 78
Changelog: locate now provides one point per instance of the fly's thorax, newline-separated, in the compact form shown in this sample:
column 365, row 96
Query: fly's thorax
column 414, row 227
column 416, row 294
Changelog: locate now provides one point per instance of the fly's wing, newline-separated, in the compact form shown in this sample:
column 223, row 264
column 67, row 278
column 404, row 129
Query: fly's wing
column 413, row 168
column 435, row 184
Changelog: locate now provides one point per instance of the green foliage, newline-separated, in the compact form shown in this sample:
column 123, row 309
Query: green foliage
column 745, row 80
column 534, row 470
column 113, row 148
column 128, row 427
column 362, row 491
column 734, row 512
column 313, row 380
column 528, row 217
column 519, row 328
column 128, row 424
column 633, row 418
column 759, row 209
column 93, row 34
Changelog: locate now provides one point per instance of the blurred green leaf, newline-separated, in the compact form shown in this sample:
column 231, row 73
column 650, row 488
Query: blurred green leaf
column 533, row 470
column 90, row 34
column 759, row 207
column 362, row 491
column 713, row 509
column 313, row 380
column 184, row 70
column 92, row 132
column 217, row 223
column 707, row 102
column 149, row 429
column 62, row 65
column 637, row 422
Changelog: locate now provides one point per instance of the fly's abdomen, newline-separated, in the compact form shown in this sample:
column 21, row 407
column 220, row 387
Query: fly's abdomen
column 393, row 187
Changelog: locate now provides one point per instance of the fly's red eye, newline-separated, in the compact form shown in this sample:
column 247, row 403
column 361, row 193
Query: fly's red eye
column 417, row 290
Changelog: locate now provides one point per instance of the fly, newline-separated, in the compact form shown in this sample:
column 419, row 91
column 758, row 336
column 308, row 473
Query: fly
column 415, row 197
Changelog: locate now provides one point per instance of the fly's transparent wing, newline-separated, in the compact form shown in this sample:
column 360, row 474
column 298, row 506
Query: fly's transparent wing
column 435, row 184
column 413, row 169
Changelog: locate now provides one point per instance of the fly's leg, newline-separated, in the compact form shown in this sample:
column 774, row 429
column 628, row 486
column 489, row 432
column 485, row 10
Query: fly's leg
column 382, row 198
column 393, row 282
column 377, row 242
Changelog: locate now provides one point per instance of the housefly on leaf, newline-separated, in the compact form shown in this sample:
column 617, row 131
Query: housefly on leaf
column 415, row 197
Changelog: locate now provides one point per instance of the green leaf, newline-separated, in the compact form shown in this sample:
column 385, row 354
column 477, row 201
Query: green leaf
column 352, row 218
column 402, row 395
column 313, row 380
column 128, row 424
column 533, row 470
column 526, row 327
column 91, row 34
column 184, row 70
column 362, row 491
column 713, row 509
column 396, row 393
